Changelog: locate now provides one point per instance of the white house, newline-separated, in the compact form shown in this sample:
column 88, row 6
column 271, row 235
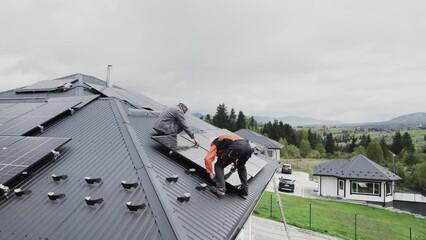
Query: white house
column 357, row 178
column 267, row 146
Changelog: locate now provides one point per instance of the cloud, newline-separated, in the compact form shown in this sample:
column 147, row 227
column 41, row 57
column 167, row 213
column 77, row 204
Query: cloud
column 336, row 60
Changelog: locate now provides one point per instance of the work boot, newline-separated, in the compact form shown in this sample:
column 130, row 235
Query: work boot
column 220, row 192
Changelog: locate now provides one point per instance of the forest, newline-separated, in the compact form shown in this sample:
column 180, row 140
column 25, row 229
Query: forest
column 393, row 150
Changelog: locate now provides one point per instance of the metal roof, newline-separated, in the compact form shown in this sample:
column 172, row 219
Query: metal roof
column 110, row 144
column 358, row 167
column 259, row 139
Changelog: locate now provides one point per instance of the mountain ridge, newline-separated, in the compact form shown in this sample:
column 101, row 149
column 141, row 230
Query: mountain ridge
column 411, row 120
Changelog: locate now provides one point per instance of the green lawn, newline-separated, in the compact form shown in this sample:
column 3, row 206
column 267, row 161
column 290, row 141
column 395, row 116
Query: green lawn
column 338, row 218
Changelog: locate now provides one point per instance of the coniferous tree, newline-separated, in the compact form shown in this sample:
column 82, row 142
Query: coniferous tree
column 352, row 144
column 232, row 119
column 208, row 118
column 329, row 144
column 241, row 121
column 253, row 125
column 397, row 145
column 408, row 143
column 385, row 148
column 220, row 120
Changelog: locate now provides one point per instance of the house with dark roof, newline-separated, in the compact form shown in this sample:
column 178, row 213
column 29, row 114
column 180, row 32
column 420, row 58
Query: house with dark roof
column 77, row 161
column 357, row 178
column 267, row 146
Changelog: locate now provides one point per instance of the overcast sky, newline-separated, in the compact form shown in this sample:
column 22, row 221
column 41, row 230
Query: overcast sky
column 351, row 61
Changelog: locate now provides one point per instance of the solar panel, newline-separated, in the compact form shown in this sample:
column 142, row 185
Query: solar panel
column 135, row 99
column 16, row 110
column 184, row 146
column 20, row 154
column 84, row 100
column 48, row 86
column 32, row 116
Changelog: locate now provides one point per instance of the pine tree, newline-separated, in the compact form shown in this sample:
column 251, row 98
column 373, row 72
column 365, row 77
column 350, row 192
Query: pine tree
column 408, row 143
column 220, row 120
column 329, row 144
column 241, row 121
column 397, row 145
column 253, row 125
column 208, row 118
column 232, row 119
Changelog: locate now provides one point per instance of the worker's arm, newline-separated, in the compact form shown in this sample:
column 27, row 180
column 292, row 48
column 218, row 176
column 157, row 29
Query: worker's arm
column 180, row 115
column 208, row 160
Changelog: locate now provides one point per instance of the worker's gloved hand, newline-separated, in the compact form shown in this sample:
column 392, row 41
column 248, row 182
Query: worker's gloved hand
column 212, row 177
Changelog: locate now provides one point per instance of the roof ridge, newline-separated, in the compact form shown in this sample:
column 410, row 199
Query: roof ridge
column 156, row 201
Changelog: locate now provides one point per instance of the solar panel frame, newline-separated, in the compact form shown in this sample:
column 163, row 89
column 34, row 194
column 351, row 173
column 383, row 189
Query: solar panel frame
column 24, row 153
column 30, row 120
column 46, row 86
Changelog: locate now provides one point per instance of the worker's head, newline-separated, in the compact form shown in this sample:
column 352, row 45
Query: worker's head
column 183, row 106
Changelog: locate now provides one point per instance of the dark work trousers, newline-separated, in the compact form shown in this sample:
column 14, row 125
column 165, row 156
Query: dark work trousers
column 237, row 150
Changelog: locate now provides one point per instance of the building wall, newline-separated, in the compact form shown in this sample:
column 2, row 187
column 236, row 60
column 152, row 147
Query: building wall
column 327, row 186
column 273, row 153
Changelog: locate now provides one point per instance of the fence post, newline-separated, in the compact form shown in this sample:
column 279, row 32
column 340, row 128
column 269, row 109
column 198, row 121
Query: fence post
column 310, row 215
column 270, row 208
column 410, row 234
column 355, row 226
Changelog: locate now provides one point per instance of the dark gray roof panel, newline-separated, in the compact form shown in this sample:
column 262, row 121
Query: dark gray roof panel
column 111, row 145
column 98, row 149
column 358, row 167
column 259, row 139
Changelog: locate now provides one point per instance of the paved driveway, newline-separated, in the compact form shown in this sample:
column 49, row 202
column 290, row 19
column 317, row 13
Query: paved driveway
column 303, row 186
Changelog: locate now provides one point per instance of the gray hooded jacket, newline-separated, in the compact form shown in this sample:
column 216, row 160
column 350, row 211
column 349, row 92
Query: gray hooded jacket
column 172, row 121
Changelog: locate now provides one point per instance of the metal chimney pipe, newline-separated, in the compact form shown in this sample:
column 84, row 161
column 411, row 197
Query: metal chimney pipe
column 108, row 78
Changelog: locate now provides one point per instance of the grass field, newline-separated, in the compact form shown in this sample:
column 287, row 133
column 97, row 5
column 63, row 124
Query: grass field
column 338, row 218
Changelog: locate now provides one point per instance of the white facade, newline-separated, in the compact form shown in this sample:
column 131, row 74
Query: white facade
column 273, row 153
column 356, row 189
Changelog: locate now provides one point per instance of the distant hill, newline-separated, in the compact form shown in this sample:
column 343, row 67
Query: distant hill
column 410, row 120
column 298, row 121
column 292, row 120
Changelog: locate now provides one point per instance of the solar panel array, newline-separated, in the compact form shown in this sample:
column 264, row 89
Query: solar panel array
column 183, row 145
column 20, row 118
column 18, row 154
column 47, row 86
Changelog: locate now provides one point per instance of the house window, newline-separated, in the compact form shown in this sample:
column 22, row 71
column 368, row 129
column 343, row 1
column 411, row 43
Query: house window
column 388, row 188
column 270, row 153
column 366, row 188
column 341, row 184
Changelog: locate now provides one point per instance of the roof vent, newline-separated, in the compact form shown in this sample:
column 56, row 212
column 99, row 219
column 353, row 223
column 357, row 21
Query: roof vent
column 58, row 178
column 53, row 196
column 19, row 192
column 91, row 181
column 135, row 207
column 184, row 198
column 201, row 187
column 127, row 185
column 108, row 77
column 92, row 202
column 173, row 178
column 190, row 171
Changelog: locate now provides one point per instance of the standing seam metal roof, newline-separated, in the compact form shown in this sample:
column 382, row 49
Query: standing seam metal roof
column 110, row 144
column 358, row 167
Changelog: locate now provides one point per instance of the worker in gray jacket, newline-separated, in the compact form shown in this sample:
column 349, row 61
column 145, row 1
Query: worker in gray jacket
column 172, row 121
